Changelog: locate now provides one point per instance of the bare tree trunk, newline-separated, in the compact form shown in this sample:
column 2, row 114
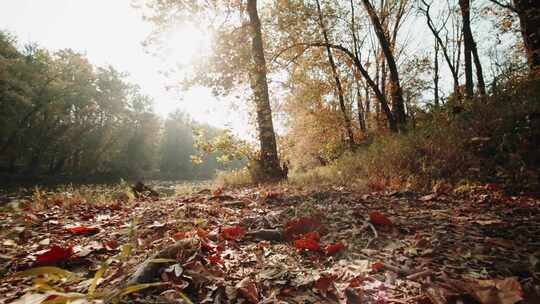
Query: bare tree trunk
column 346, row 119
column 361, row 112
column 468, row 44
column 479, row 72
column 398, row 107
column 259, row 84
column 529, row 19
column 367, row 112
column 436, row 74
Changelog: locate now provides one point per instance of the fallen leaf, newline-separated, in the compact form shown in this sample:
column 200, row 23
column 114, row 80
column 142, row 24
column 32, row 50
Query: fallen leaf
column 54, row 255
column 299, row 226
column 377, row 218
column 308, row 244
column 377, row 266
column 333, row 248
column 111, row 244
column 233, row 233
column 179, row 235
column 216, row 259
column 248, row 290
column 353, row 296
column 83, row 230
column 499, row 291
column 313, row 235
column 428, row 197
column 31, row 298
column 324, row 284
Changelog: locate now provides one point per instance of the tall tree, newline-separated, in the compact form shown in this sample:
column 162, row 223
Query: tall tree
column 259, row 84
column 464, row 6
column 339, row 88
column 443, row 42
column 398, row 105
column 528, row 12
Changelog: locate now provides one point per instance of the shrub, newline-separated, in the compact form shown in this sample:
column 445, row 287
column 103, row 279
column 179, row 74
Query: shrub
column 493, row 139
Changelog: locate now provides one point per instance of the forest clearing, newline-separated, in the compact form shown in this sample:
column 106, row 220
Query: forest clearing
column 271, row 151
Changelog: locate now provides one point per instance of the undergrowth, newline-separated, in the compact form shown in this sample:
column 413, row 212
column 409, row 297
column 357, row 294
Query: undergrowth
column 489, row 140
column 493, row 139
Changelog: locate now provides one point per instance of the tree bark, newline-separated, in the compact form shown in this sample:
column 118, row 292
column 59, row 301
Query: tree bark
column 259, row 84
column 339, row 88
column 361, row 111
column 464, row 6
column 436, row 74
column 479, row 72
column 529, row 20
column 398, row 107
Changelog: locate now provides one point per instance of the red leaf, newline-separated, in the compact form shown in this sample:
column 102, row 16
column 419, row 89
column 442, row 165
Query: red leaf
column 299, row 226
column 492, row 186
column 377, row 218
column 324, row 283
column 314, row 235
column 54, row 255
column 215, row 259
column 308, row 244
column 83, row 230
column 377, row 266
column 331, row 249
column 233, row 233
column 179, row 235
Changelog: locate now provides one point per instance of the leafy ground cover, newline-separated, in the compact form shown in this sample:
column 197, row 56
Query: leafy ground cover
column 275, row 245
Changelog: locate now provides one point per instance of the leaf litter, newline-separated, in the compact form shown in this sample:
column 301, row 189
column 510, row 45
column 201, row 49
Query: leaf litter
column 276, row 245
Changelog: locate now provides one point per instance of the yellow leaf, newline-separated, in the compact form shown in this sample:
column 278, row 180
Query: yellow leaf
column 46, row 270
column 126, row 250
column 95, row 280
column 135, row 288
column 162, row 261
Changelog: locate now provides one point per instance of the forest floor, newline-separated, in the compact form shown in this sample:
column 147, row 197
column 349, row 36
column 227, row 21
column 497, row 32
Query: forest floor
column 277, row 245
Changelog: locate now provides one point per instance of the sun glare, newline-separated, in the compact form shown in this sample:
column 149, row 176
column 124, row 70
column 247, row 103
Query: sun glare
column 187, row 43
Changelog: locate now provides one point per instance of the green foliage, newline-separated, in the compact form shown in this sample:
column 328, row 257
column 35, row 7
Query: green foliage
column 62, row 116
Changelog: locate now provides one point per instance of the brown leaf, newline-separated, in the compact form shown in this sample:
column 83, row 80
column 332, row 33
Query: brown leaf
column 248, row 290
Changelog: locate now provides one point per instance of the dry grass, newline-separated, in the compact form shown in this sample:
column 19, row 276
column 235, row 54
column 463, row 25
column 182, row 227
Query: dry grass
column 233, row 179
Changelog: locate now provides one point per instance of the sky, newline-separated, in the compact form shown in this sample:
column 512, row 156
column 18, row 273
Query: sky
column 110, row 32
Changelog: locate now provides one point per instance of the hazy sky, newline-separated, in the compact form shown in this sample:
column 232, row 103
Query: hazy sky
column 111, row 32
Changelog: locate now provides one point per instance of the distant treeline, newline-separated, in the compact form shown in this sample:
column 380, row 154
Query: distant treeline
column 61, row 116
